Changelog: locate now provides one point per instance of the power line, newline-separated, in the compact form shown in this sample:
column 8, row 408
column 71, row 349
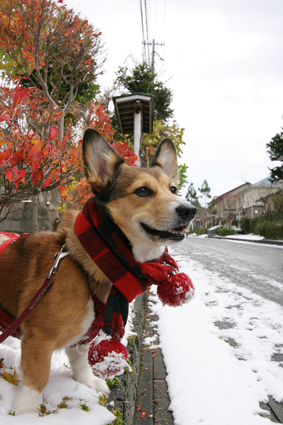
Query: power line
column 146, row 21
column 149, row 58
column 143, row 39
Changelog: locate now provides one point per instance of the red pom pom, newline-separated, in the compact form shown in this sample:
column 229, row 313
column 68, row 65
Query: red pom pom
column 108, row 357
column 176, row 290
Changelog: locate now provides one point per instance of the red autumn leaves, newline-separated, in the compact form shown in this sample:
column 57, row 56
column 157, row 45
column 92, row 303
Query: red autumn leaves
column 33, row 162
column 28, row 159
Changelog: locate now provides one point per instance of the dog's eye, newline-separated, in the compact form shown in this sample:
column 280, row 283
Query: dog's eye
column 143, row 191
column 173, row 189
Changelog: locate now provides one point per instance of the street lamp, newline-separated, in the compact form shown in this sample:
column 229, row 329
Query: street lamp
column 134, row 112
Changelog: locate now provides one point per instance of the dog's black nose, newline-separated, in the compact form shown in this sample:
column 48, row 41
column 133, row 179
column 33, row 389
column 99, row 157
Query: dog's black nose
column 186, row 212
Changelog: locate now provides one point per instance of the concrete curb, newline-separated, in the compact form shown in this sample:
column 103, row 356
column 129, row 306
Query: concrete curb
column 124, row 396
column 142, row 396
column 261, row 241
column 153, row 401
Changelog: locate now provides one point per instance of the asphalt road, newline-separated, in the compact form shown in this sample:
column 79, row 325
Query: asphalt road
column 258, row 267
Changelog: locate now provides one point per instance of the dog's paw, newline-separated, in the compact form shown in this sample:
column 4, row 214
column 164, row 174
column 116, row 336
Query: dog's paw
column 87, row 378
column 26, row 400
column 101, row 386
column 82, row 371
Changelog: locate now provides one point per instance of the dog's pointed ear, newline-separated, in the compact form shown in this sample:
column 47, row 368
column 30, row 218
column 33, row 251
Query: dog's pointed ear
column 166, row 158
column 101, row 162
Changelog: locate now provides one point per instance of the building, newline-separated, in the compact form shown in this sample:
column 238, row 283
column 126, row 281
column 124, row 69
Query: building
column 253, row 205
column 245, row 200
column 228, row 204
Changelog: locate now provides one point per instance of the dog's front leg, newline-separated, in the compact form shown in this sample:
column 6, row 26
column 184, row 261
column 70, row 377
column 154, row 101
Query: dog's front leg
column 82, row 370
column 35, row 365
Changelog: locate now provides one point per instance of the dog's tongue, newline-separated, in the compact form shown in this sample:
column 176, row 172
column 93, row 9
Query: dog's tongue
column 179, row 229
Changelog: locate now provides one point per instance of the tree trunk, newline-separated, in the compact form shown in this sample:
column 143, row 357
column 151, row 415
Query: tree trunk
column 61, row 126
column 53, row 210
column 51, row 205
column 34, row 214
column 52, row 202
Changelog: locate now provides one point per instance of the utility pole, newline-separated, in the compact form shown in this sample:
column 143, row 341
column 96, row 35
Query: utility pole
column 153, row 44
column 152, row 56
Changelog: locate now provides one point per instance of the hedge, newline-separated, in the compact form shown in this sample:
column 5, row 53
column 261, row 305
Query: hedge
column 200, row 230
column 270, row 229
column 249, row 225
column 262, row 227
column 225, row 232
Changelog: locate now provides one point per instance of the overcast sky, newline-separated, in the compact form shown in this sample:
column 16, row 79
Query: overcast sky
column 223, row 61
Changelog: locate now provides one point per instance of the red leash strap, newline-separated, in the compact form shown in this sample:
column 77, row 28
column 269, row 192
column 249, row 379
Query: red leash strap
column 37, row 297
column 31, row 305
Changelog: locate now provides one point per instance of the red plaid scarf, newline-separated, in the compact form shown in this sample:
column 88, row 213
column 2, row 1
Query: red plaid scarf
column 108, row 247
column 110, row 250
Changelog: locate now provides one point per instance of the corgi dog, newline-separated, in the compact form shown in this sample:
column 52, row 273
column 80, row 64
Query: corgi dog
column 143, row 203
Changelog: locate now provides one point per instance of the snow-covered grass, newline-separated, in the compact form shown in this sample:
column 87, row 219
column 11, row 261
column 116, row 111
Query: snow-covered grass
column 82, row 403
column 218, row 351
column 61, row 387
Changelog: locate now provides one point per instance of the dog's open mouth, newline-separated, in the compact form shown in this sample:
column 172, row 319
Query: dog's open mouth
column 176, row 234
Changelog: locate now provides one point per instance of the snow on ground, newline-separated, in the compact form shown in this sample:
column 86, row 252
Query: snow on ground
column 218, row 351
column 250, row 237
column 61, row 386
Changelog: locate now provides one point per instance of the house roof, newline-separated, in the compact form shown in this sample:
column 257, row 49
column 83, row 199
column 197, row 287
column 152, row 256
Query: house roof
column 242, row 186
column 261, row 183
column 266, row 183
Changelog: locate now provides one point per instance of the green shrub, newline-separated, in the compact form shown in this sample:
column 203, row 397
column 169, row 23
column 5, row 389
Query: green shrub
column 225, row 232
column 200, row 230
column 235, row 222
column 245, row 224
column 270, row 229
column 254, row 223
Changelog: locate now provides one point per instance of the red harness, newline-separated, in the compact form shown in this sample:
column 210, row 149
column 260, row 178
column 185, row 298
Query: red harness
column 6, row 239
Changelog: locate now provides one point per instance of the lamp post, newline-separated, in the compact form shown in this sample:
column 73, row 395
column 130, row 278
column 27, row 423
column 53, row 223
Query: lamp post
column 134, row 112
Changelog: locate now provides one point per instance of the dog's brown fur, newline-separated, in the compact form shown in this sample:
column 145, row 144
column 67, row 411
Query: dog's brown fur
column 65, row 312
column 58, row 319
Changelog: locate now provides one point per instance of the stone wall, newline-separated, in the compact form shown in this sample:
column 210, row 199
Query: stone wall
column 20, row 219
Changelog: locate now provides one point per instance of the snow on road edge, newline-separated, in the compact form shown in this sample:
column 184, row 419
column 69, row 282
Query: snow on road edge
column 210, row 382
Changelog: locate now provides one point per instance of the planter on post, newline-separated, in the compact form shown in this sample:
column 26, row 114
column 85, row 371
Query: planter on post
column 134, row 112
